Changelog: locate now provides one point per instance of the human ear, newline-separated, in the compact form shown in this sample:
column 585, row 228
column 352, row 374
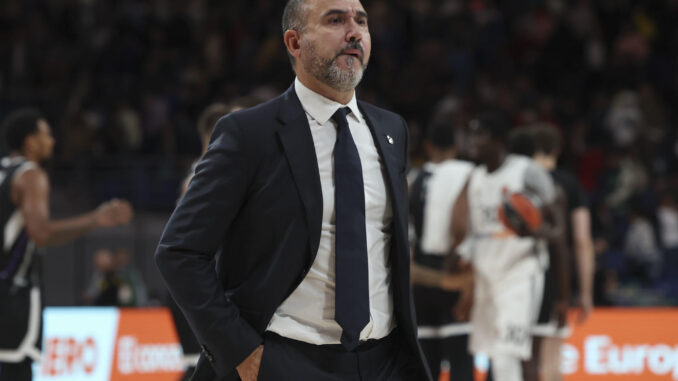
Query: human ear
column 292, row 42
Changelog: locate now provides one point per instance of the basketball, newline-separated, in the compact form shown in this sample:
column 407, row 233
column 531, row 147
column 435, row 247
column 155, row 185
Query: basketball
column 519, row 213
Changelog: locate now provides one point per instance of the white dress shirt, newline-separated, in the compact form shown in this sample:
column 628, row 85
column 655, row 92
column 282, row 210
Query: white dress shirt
column 308, row 313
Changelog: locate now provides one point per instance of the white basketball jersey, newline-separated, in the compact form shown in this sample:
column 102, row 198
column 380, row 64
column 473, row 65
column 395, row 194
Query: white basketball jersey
column 496, row 251
column 442, row 190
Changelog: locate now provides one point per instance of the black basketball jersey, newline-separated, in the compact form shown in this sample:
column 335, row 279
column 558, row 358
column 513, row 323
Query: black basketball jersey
column 417, row 202
column 432, row 197
column 17, row 250
column 20, row 298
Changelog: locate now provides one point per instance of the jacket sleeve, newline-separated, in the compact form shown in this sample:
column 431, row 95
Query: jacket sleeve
column 191, row 238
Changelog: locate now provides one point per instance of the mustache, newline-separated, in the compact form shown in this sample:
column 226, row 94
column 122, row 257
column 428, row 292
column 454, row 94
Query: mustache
column 353, row 45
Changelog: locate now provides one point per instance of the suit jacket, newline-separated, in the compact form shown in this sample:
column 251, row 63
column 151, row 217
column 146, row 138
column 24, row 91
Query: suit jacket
column 256, row 202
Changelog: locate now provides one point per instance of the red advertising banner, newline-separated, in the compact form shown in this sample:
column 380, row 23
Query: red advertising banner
column 618, row 344
column 623, row 344
column 147, row 347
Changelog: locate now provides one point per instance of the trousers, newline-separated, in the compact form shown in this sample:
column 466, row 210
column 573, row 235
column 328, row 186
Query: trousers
column 387, row 359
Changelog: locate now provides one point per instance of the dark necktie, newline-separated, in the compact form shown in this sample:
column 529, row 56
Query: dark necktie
column 352, row 301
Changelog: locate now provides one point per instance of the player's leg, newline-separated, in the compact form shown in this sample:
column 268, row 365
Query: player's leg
column 461, row 360
column 428, row 309
column 538, row 286
column 546, row 332
column 454, row 346
column 518, row 299
column 506, row 367
column 550, row 359
column 531, row 366
column 484, row 333
column 433, row 350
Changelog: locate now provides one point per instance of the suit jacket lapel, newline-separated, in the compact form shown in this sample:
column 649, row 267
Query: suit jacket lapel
column 397, row 188
column 380, row 132
column 297, row 142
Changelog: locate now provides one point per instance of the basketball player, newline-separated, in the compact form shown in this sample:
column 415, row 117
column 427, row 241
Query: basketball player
column 432, row 198
column 546, row 140
column 26, row 226
column 508, row 263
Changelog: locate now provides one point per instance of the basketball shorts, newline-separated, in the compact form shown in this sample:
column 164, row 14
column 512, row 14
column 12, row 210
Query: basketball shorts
column 20, row 323
column 504, row 313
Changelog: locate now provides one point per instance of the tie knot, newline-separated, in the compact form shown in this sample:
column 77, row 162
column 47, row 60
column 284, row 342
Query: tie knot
column 339, row 116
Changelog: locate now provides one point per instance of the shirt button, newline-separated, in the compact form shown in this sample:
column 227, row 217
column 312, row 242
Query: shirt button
column 207, row 353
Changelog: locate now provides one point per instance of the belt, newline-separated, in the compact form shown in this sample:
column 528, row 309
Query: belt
column 335, row 357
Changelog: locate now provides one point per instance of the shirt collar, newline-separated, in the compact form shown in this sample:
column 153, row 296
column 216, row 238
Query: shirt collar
column 320, row 108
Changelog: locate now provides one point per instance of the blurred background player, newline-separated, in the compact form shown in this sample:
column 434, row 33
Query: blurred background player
column 547, row 142
column 26, row 226
column 208, row 119
column 206, row 122
column 432, row 197
column 508, row 262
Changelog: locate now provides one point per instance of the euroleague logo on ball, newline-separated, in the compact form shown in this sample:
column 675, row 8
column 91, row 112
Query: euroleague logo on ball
column 519, row 211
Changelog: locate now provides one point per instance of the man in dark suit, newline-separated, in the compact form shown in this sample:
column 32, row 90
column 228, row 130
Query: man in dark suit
column 303, row 201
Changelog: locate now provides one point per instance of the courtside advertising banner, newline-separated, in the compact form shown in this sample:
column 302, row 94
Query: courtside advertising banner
column 102, row 344
column 617, row 344
column 623, row 345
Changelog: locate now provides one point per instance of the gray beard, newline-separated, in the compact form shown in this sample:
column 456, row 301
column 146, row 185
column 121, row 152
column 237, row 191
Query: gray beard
column 328, row 72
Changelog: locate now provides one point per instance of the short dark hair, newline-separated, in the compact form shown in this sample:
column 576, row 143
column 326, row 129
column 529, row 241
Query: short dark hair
column 521, row 141
column 495, row 123
column 19, row 125
column 293, row 18
column 441, row 135
column 547, row 138
column 209, row 117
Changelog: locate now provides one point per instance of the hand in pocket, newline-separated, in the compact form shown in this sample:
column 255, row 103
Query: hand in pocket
column 248, row 370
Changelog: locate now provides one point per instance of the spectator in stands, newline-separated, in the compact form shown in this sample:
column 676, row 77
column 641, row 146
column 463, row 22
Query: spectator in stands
column 640, row 247
column 133, row 289
column 105, row 285
column 667, row 215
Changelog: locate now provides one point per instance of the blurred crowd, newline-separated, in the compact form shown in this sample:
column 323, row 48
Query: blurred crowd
column 130, row 77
